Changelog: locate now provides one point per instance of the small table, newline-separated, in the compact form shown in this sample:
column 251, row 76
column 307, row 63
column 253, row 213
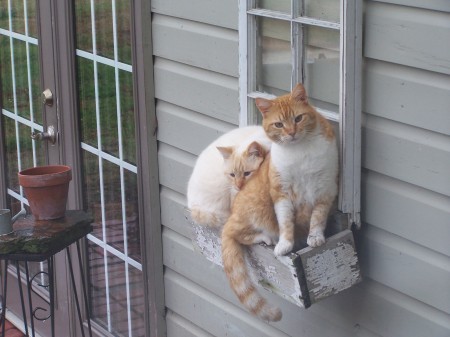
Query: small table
column 38, row 241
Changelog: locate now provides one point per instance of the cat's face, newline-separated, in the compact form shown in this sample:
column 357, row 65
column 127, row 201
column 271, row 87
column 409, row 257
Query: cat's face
column 288, row 119
column 240, row 167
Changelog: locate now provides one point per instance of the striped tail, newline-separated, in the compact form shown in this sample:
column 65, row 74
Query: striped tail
column 239, row 278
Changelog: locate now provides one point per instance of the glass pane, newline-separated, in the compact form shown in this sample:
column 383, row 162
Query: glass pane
column 91, row 191
column 31, row 15
column 108, row 109
column 86, row 92
column 275, row 5
column 113, row 205
column 328, row 10
column 117, row 295
column 18, row 21
column 6, row 74
column 137, row 298
column 322, row 66
column 11, row 154
column 35, row 74
column 97, row 284
column 123, row 31
column 21, row 77
column 274, row 63
column 132, row 216
column 104, row 28
column 4, row 21
column 84, row 25
column 127, row 117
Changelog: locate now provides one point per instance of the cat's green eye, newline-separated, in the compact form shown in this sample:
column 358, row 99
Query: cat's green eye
column 246, row 174
column 278, row 125
column 298, row 118
column 232, row 174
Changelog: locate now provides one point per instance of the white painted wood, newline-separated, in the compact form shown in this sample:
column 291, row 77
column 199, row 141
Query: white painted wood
column 216, row 12
column 187, row 129
column 196, row 89
column 406, row 267
column 402, row 35
column 201, row 45
column 406, row 153
column 408, row 95
column 385, row 201
column 173, row 207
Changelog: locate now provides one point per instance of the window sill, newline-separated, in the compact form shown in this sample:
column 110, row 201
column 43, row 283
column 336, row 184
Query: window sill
column 304, row 277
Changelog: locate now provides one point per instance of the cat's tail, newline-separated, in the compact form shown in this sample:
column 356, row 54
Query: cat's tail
column 236, row 270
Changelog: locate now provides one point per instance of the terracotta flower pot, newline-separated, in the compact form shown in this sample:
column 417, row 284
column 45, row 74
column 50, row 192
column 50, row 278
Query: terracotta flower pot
column 46, row 189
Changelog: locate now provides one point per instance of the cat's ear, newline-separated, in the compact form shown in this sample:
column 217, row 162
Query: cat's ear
column 298, row 94
column 226, row 151
column 263, row 105
column 255, row 149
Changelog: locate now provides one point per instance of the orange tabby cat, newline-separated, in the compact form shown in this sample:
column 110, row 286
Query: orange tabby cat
column 296, row 183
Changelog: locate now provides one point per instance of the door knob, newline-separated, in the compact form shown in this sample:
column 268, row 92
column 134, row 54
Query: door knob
column 49, row 135
column 47, row 97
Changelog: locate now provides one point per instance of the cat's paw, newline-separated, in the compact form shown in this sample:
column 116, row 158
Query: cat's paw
column 315, row 239
column 283, row 247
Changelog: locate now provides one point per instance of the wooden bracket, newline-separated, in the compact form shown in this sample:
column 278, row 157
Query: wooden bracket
column 304, row 277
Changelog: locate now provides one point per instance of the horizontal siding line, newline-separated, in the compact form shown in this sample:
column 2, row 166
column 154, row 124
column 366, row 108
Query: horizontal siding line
column 174, row 195
column 440, row 5
column 408, row 132
column 406, row 72
column 198, row 73
column 175, row 153
column 409, row 303
column 407, row 247
column 194, row 116
column 227, row 307
column 414, row 192
column 418, row 15
column 179, row 239
column 195, row 27
column 185, row 325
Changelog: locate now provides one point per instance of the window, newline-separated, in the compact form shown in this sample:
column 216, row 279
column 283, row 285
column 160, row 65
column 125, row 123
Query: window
column 317, row 43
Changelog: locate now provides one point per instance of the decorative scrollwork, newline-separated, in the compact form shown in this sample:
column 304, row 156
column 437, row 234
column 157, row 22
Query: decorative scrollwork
column 43, row 283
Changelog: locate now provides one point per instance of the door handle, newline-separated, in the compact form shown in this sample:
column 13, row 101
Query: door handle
column 49, row 135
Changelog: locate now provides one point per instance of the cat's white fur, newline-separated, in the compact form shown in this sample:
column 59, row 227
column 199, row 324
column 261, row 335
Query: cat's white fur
column 209, row 188
column 308, row 169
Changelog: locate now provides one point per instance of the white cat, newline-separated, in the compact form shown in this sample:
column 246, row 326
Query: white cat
column 221, row 171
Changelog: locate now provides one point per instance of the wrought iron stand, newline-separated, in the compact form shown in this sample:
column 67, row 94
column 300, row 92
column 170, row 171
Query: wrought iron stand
column 38, row 241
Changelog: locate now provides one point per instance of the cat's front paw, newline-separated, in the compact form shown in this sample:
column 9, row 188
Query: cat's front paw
column 283, row 247
column 315, row 239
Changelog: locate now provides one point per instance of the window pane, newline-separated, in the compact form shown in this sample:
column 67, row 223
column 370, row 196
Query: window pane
column 84, row 25
column 104, row 28
column 275, row 5
column 274, row 63
column 322, row 66
column 327, row 10
column 86, row 92
column 4, row 21
column 123, row 31
column 18, row 21
column 31, row 14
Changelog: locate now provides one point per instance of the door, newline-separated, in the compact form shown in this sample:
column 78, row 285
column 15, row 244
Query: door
column 27, row 70
column 90, row 55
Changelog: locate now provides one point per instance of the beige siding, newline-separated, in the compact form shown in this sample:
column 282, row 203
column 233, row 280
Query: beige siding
column 403, row 245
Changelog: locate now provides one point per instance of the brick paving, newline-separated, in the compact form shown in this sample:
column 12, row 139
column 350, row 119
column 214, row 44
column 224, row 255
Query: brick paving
column 11, row 330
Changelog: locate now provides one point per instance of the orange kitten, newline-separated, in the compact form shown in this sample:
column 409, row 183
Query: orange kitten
column 296, row 183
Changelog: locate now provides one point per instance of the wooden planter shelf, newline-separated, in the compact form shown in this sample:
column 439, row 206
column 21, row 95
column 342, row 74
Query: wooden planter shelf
column 304, row 277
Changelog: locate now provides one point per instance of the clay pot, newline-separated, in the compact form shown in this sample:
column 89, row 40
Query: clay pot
column 46, row 189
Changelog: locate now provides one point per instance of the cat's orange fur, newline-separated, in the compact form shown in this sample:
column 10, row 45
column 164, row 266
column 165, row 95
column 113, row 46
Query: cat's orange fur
column 298, row 181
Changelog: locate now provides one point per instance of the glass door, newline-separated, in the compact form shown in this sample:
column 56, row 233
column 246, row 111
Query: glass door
column 26, row 71
column 108, row 143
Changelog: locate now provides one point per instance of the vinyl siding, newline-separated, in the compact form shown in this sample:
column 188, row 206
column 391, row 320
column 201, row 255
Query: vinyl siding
column 403, row 244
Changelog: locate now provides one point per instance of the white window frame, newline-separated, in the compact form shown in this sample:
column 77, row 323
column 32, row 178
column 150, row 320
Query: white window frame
column 349, row 115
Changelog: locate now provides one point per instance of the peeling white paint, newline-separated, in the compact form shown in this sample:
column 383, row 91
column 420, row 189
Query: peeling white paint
column 332, row 270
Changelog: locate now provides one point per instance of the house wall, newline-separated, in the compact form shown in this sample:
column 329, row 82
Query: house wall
column 403, row 245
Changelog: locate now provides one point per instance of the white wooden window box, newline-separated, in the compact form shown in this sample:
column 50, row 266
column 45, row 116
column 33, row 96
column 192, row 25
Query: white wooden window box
column 317, row 43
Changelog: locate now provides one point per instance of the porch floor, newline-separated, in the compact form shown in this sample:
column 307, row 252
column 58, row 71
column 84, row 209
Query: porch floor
column 11, row 330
